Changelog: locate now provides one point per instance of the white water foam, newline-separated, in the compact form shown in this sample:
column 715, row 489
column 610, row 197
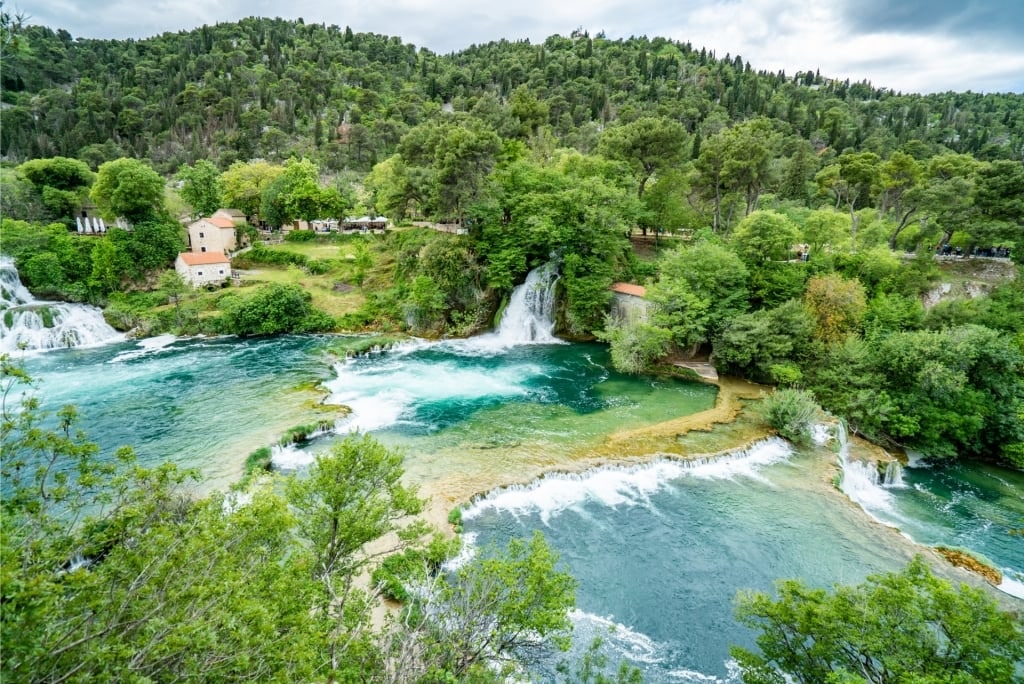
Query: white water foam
column 615, row 486
column 466, row 553
column 862, row 483
column 1012, row 587
column 23, row 325
column 821, row 433
column 290, row 457
column 382, row 394
column 624, row 641
column 734, row 675
column 915, row 459
column 233, row 501
column 146, row 346
column 374, row 412
column 529, row 317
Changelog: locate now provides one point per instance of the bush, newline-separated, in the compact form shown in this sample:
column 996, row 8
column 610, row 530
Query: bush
column 792, row 412
column 635, row 345
column 260, row 254
column 455, row 519
column 319, row 266
column 272, row 310
column 300, row 236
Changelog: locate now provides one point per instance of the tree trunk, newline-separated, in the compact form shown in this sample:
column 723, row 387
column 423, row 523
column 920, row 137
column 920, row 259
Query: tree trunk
column 899, row 229
column 717, row 218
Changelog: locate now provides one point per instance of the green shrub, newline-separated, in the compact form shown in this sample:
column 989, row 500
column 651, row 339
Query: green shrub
column 635, row 345
column 274, row 309
column 792, row 412
column 319, row 266
column 455, row 519
column 259, row 254
column 786, row 373
column 300, row 236
column 397, row 571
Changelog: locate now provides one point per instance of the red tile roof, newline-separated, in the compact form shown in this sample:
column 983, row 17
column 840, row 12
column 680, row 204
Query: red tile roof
column 221, row 222
column 629, row 289
column 204, row 258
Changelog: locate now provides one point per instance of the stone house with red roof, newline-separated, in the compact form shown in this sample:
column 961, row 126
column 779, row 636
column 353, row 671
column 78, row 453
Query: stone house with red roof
column 203, row 268
column 212, row 234
column 628, row 302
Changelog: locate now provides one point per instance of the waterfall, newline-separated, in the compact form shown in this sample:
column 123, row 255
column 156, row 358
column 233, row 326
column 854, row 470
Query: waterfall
column 625, row 485
column 861, row 480
column 529, row 316
column 893, row 475
column 33, row 325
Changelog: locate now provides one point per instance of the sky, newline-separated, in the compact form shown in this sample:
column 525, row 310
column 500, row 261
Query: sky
column 921, row 46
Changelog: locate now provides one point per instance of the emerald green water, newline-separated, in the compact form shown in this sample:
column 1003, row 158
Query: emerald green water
column 203, row 403
column 471, row 415
column 660, row 550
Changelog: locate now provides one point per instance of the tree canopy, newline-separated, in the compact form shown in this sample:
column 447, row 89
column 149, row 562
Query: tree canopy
column 906, row 626
column 129, row 188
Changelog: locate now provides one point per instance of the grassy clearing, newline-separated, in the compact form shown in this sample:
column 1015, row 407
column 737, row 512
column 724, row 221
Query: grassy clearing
column 332, row 292
column 314, row 250
column 343, row 288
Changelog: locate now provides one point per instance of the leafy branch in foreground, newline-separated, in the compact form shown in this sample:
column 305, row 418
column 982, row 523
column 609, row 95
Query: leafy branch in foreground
column 908, row 626
column 496, row 614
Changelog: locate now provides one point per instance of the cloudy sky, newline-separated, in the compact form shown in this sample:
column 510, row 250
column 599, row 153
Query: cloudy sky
column 908, row 45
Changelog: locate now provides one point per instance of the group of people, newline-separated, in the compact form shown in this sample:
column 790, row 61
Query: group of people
column 947, row 249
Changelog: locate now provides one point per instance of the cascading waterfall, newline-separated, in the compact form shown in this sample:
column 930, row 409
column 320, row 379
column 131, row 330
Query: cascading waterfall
column 529, row 316
column 35, row 325
column 618, row 485
column 861, row 481
column 893, row 475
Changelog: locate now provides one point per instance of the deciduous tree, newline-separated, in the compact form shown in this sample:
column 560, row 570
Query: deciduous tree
column 201, row 187
column 837, row 304
column 128, row 188
column 765, row 236
column 908, row 626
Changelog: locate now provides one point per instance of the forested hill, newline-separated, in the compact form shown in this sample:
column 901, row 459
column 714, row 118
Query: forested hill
column 269, row 88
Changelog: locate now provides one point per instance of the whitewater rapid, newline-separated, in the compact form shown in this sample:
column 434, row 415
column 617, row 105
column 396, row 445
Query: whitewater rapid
column 29, row 324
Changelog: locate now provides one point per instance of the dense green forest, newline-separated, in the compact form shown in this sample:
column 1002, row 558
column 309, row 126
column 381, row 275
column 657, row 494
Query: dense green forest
column 272, row 89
